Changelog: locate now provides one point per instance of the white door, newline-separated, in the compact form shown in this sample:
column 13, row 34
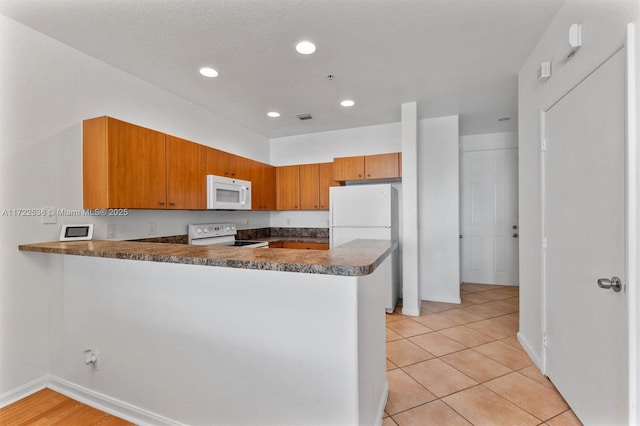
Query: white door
column 584, row 222
column 489, row 222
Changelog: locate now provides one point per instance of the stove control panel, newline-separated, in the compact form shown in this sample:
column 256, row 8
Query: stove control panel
column 201, row 230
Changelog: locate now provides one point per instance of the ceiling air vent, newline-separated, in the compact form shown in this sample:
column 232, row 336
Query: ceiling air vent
column 304, row 116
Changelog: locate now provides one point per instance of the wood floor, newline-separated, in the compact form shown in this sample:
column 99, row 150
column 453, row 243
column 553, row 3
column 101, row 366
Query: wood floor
column 47, row 407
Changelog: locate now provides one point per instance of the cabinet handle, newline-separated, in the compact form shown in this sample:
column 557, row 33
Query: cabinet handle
column 368, row 174
column 172, row 204
column 162, row 203
column 359, row 175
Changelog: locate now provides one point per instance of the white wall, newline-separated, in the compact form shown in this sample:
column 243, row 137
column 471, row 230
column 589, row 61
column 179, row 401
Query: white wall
column 47, row 89
column 489, row 141
column 410, row 260
column 438, row 188
column 437, row 182
column 604, row 28
column 206, row 345
column 323, row 147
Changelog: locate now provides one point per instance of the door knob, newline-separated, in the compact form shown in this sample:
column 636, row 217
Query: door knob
column 613, row 283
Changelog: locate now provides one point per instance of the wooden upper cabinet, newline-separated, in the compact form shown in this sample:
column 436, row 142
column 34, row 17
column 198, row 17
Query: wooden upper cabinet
column 348, row 168
column 263, row 180
column 186, row 181
column 326, row 181
column 312, row 189
column 225, row 164
column 365, row 167
column 382, row 166
column 123, row 165
column 240, row 167
column 288, row 188
column 309, row 187
column 217, row 162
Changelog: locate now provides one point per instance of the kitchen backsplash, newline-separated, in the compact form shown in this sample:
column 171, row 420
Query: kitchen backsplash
column 249, row 234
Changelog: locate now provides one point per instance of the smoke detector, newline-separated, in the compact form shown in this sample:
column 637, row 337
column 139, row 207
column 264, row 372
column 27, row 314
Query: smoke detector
column 304, row 116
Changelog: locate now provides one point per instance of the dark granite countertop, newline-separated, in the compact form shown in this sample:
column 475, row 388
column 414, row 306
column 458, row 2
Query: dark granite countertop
column 358, row 257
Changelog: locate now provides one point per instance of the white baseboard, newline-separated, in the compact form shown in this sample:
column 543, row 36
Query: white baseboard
column 383, row 402
column 442, row 299
column 412, row 312
column 91, row 398
column 108, row 404
column 23, row 391
column 529, row 350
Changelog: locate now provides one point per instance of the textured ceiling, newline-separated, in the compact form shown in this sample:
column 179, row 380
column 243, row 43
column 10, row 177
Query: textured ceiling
column 451, row 56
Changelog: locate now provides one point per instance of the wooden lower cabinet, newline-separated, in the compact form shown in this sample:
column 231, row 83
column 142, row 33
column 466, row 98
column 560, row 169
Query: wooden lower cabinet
column 299, row 245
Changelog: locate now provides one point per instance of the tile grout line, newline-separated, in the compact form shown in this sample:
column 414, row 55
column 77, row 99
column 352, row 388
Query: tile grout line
column 501, row 339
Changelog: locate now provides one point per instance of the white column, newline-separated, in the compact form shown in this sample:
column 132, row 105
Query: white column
column 410, row 266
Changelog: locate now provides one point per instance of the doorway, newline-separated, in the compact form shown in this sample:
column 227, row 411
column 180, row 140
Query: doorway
column 489, row 214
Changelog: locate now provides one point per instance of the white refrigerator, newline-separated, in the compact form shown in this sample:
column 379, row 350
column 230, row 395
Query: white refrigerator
column 368, row 211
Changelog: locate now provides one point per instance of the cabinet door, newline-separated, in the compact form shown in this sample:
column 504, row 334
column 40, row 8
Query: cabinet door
column 186, row 181
column 309, row 186
column 269, row 190
column 326, row 181
column 263, row 185
column 348, row 168
column 136, row 166
column 288, row 188
column 240, row 167
column 217, row 162
column 306, row 246
column 382, row 166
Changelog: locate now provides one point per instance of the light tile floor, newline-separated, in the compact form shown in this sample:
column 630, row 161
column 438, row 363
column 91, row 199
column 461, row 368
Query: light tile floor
column 461, row 364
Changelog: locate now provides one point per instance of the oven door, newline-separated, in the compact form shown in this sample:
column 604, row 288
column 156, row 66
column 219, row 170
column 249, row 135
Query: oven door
column 228, row 194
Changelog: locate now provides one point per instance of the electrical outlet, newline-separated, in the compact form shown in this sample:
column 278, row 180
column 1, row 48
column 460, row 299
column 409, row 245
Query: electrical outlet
column 111, row 230
column 151, row 228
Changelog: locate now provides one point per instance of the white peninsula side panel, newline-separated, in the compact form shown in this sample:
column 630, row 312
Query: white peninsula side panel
column 190, row 344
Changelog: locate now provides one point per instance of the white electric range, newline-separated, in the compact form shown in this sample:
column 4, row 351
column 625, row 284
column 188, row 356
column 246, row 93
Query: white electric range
column 203, row 234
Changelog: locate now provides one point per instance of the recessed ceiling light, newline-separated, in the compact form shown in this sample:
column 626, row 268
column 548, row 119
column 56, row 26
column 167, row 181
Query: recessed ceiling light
column 208, row 72
column 347, row 103
column 273, row 114
column 504, row 118
column 305, row 47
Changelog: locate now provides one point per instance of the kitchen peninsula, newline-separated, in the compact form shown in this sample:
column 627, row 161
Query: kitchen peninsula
column 237, row 336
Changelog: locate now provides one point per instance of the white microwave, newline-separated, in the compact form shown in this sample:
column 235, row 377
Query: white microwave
column 225, row 193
